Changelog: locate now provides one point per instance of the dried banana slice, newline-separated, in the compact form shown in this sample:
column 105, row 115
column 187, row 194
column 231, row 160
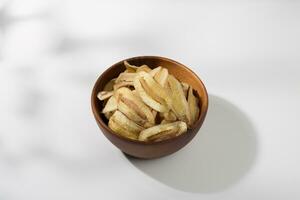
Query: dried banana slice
column 124, row 79
column 134, row 102
column 130, row 113
column 164, row 135
column 111, row 105
column 122, row 84
column 144, row 68
column 147, row 99
column 179, row 105
column 127, row 77
column 155, row 90
column 130, row 68
column 117, row 128
column 193, row 103
column 104, row 95
column 162, row 76
column 154, row 71
column 126, row 123
column 174, row 128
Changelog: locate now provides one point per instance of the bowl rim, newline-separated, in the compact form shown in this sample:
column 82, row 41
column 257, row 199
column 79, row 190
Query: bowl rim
column 99, row 120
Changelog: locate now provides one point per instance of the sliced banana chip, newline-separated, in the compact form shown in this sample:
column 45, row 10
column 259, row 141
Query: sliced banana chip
column 147, row 99
column 174, row 128
column 130, row 68
column 162, row 76
column 164, row 135
column 117, row 128
column 127, row 77
column 104, row 95
column 157, row 89
column 111, row 105
column 134, row 102
column 130, row 113
column 126, row 123
column 193, row 103
column 122, row 84
column 180, row 105
column 143, row 68
column 154, row 71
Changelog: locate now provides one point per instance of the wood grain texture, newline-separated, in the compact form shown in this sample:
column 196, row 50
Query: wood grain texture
column 148, row 150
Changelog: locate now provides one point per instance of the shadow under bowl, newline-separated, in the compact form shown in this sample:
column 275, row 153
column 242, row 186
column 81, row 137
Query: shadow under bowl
column 149, row 150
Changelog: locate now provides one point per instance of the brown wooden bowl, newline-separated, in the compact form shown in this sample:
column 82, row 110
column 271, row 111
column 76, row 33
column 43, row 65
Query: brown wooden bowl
column 149, row 150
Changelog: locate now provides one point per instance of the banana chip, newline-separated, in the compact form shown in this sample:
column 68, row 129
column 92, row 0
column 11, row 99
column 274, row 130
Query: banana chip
column 143, row 68
column 154, row 71
column 157, row 89
column 180, row 105
column 147, row 99
column 104, row 95
column 117, row 128
column 132, row 101
column 162, row 76
column 111, row 105
column 127, row 77
column 173, row 129
column 126, row 123
column 130, row 68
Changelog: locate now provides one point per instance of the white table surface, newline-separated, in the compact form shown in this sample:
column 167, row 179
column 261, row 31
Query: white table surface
column 246, row 52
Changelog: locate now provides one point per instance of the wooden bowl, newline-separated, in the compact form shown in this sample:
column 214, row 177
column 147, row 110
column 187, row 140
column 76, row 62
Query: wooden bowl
column 149, row 150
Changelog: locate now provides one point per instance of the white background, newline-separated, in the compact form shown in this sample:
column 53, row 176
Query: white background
column 246, row 52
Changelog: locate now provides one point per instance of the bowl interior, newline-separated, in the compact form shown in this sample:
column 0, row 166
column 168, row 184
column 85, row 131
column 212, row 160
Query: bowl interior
column 178, row 70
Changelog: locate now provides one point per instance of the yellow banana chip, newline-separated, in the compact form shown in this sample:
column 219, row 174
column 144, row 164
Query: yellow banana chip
column 155, row 90
column 130, row 68
column 111, row 105
column 144, row 68
column 127, row 77
column 134, row 102
column 164, row 135
column 162, row 76
column 154, row 71
column 104, row 95
column 126, row 123
column 179, row 126
column 117, row 128
column 179, row 105
column 147, row 99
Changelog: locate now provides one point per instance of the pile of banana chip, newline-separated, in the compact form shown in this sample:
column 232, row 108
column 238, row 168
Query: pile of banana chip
column 148, row 104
